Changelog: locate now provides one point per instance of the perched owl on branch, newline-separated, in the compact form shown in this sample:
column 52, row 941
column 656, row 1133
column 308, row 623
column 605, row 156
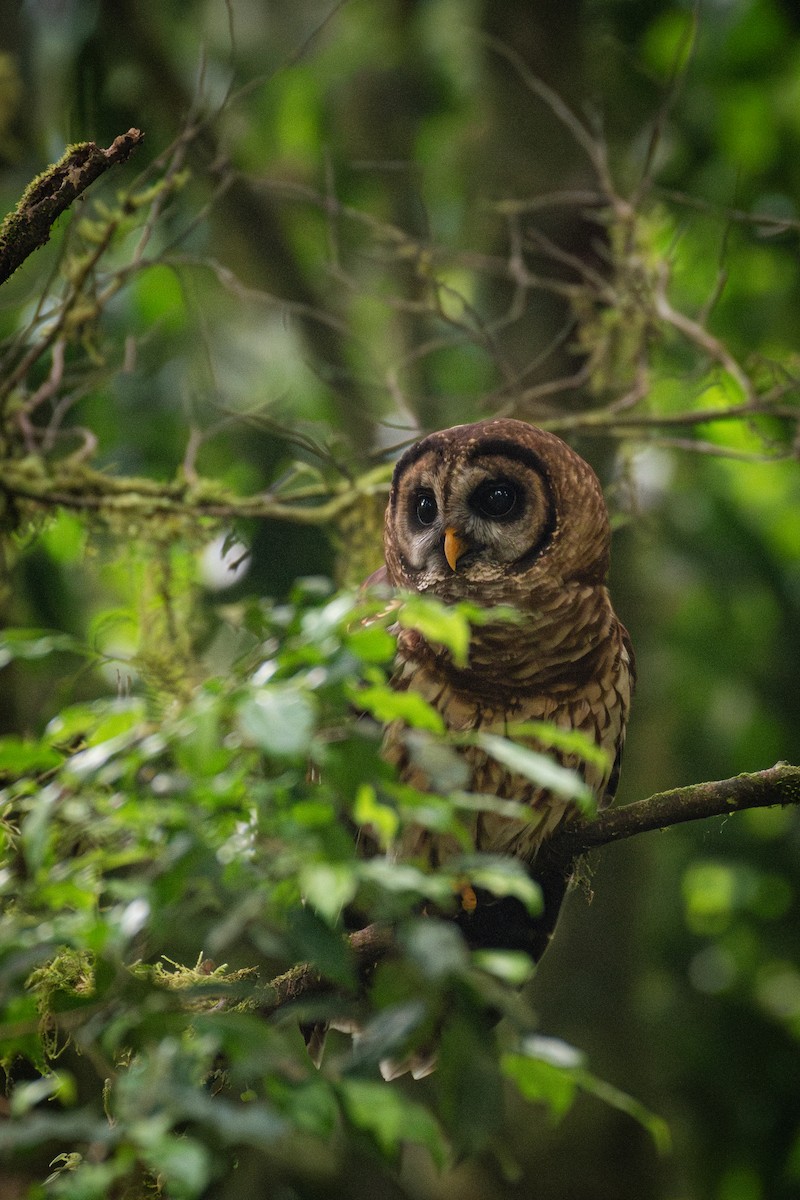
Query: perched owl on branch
column 503, row 513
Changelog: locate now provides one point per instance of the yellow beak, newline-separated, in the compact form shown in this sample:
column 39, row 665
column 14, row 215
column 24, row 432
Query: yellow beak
column 454, row 546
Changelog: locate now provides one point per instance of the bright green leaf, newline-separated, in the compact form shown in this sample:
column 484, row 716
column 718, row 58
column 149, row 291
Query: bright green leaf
column 510, row 966
column 439, row 623
column 33, row 644
column 183, row 1162
column 328, row 887
column 390, row 1118
column 541, row 1082
column 371, row 643
column 385, row 704
column 382, row 820
column 20, row 757
column 571, row 741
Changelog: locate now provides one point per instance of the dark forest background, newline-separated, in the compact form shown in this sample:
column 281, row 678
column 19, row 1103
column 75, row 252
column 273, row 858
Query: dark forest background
column 349, row 223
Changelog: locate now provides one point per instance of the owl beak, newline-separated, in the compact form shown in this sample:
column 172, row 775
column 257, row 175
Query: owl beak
column 454, row 547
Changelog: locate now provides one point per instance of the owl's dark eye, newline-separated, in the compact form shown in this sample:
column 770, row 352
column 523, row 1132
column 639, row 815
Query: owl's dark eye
column 496, row 498
column 424, row 507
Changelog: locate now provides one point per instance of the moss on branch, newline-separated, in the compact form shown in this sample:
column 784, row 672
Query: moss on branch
column 778, row 785
column 28, row 226
column 80, row 488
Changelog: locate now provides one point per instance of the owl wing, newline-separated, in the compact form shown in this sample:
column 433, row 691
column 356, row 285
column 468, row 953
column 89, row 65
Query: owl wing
column 630, row 660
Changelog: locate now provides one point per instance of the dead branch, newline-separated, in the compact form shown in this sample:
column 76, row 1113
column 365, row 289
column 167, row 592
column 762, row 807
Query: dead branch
column 28, row 226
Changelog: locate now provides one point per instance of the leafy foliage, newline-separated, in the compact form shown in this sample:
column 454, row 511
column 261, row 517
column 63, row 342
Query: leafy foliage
column 219, row 827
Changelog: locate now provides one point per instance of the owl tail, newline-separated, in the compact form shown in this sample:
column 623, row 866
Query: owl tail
column 315, row 1036
column 418, row 1065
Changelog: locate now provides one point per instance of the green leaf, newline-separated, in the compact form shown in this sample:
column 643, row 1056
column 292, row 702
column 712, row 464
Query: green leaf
column 656, row 1126
column 446, row 769
column 20, row 757
column 33, row 644
column 372, row 644
column 310, row 1105
column 387, row 1033
column 385, row 704
column 120, row 718
column 402, row 877
column 502, row 876
column 184, row 1164
column 390, row 1118
column 469, row 1083
column 382, row 820
column 35, row 831
column 510, row 966
column 541, row 1082
column 481, row 802
column 551, row 1072
column 436, row 947
column 571, row 741
column 441, row 624
column 328, row 887
column 56, row 1085
column 88, row 762
column 536, row 767
column 280, row 719
column 94, row 723
column 314, row 940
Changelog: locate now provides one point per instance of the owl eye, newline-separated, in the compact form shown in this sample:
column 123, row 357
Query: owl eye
column 496, row 498
column 424, row 507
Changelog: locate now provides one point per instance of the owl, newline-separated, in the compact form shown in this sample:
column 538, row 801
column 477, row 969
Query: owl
column 503, row 513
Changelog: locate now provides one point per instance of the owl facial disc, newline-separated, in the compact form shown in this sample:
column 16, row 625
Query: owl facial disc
column 493, row 512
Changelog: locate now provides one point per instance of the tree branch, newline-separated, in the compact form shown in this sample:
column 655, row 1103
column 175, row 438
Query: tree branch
column 778, row 785
column 28, row 226
column 368, row 946
column 762, row 789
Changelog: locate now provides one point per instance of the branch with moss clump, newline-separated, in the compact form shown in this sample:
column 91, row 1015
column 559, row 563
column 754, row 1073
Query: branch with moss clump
column 28, row 226
column 778, row 785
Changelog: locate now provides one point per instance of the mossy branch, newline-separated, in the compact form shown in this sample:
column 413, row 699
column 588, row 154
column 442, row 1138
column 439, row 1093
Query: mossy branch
column 81, row 489
column 28, row 226
column 368, row 946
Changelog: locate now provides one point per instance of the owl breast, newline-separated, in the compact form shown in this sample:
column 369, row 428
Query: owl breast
column 581, row 680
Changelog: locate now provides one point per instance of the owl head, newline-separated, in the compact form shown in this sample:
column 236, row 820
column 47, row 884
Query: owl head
column 493, row 512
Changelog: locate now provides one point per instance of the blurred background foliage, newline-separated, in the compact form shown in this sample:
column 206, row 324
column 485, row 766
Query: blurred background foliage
column 360, row 220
